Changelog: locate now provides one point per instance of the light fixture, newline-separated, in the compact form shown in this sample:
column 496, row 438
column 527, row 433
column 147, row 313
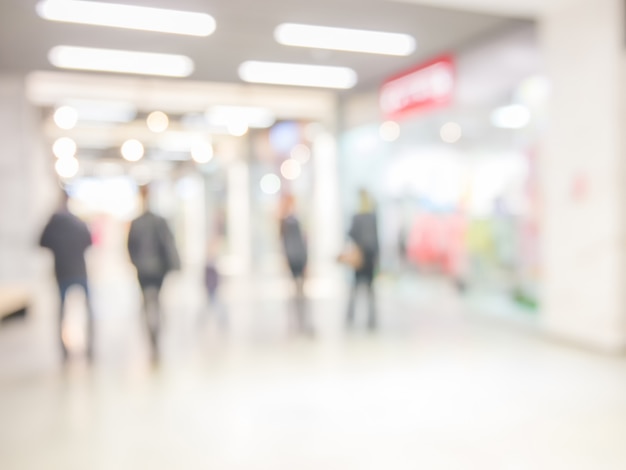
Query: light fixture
column 64, row 147
column 157, row 121
column 342, row 39
column 301, row 153
column 278, row 73
column 127, row 16
column 451, row 132
column 132, row 150
column 237, row 129
column 66, row 167
column 252, row 116
column 66, row 117
column 291, row 169
column 270, row 184
column 515, row 116
column 202, row 152
column 120, row 61
column 389, row 131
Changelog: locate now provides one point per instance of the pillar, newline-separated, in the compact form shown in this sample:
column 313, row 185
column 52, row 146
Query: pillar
column 583, row 184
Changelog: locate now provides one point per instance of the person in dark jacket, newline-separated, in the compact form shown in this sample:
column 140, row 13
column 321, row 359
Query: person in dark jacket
column 296, row 254
column 68, row 238
column 153, row 252
column 364, row 233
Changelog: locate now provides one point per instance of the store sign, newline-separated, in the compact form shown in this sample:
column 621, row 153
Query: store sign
column 423, row 88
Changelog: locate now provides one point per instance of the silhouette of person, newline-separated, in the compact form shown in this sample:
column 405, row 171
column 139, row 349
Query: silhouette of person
column 153, row 252
column 296, row 254
column 68, row 238
column 364, row 233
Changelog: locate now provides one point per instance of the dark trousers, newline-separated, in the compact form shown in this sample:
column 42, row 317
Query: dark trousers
column 64, row 287
column 151, row 291
column 363, row 278
column 300, row 313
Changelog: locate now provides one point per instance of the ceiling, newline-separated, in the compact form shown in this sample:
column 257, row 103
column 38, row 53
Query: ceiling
column 245, row 32
column 513, row 8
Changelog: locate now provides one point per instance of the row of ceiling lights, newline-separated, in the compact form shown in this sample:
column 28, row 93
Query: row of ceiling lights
column 202, row 24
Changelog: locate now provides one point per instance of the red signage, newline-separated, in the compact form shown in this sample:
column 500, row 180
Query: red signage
column 422, row 88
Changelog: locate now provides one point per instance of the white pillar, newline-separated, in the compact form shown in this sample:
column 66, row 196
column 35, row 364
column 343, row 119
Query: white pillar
column 27, row 182
column 326, row 236
column 583, row 176
column 238, row 222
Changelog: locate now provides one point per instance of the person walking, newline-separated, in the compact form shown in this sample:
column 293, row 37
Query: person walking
column 153, row 252
column 296, row 254
column 68, row 238
column 364, row 234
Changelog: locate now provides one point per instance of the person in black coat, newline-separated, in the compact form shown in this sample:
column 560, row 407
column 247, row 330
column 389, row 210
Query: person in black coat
column 364, row 234
column 296, row 254
column 68, row 238
column 153, row 252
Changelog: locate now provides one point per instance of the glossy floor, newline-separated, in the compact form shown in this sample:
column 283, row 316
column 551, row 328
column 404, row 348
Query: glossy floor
column 434, row 388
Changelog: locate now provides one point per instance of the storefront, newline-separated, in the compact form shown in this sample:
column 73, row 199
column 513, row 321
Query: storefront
column 449, row 154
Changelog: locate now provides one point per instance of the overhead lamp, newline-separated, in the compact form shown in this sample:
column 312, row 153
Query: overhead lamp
column 202, row 152
column 270, row 184
column 291, row 169
column 67, row 167
column 342, row 39
column 120, row 61
column 157, row 122
column 278, row 73
column 132, row 150
column 237, row 129
column 66, row 117
column 64, row 147
column 127, row 16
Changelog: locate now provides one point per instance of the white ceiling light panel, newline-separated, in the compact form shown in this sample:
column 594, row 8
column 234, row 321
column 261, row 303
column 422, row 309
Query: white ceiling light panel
column 127, row 16
column 342, row 39
column 278, row 73
column 120, row 61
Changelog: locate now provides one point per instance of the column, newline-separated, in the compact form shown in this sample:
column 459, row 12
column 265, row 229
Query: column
column 583, row 180
column 27, row 183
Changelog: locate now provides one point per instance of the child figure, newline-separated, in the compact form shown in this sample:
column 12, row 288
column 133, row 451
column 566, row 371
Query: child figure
column 212, row 282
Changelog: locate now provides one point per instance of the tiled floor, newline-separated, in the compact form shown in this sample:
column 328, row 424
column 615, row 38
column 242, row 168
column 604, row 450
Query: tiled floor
column 435, row 388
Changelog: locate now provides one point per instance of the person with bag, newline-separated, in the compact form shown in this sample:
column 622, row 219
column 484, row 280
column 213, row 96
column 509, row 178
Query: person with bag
column 153, row 252
column 362, row 256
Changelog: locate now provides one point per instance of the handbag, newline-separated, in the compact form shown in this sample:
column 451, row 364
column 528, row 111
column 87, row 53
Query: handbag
column 351, row 256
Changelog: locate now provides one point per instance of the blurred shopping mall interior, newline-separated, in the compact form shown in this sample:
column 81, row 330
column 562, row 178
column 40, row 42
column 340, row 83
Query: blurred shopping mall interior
column 487, row 134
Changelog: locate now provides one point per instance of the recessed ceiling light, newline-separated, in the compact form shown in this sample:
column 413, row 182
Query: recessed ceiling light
column 127, row 16
column 342, row 39
column 110, row 60
column 277, row 73
column 67, row 167
column 66, row 117
column 64, row 147
column 132, row 150
column 157, row 121
column 270, row 184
